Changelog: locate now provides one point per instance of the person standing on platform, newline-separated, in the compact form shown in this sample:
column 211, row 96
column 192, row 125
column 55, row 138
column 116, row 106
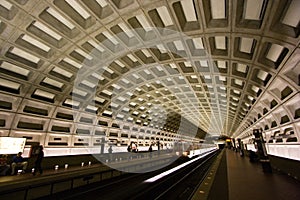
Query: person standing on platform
column 110, row 153
column 129, row 148
column 38, row 162
column 4, row 167
column 150, row 150
column 18, row 161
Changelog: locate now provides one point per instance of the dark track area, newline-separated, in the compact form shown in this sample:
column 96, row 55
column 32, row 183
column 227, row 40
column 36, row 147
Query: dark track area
column 132, row 186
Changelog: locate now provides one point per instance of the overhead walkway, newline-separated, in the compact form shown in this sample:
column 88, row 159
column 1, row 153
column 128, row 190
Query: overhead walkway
column 235, row 178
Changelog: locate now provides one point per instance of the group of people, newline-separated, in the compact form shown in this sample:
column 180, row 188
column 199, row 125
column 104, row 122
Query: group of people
column 19, row 162
column 133, row 147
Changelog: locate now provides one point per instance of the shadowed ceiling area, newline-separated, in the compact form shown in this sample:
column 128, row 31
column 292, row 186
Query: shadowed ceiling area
column 72, row 71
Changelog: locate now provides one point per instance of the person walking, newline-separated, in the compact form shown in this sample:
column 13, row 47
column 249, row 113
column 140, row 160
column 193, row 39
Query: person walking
column 38, row 162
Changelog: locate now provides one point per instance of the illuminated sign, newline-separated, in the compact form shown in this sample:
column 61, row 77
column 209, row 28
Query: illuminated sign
column 11, row 145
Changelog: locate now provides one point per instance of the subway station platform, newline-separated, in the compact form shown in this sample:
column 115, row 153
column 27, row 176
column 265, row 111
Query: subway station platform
column 237, row 178
column 231, row 177
column 27, row 186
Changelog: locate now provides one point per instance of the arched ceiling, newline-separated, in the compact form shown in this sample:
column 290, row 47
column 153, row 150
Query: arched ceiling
column 211, row 64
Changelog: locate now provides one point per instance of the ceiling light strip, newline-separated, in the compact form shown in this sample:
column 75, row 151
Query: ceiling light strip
column 96, row 45
column 165, row 16
column 179, row 46
column 218, row 9
column 102, row 3
column 274, row 52
column 9, row 84
column 126, row 30
column 47, row 30
column 220, row 42
column 14, row 68
column 246, row 45
column 110, row 37
column 53, row 82
column 131, row 57
column 84, row 54
column 72, row 62
column 189, row 10
column 59, row 17
column 78, row 8
column 63, row 72
column 45, row 94
column 161, row 48
column 198, row 43
column 292, row 16
column 25, row 55
column 6, row 4
column 144, row 22
column 36, row 43
column 146, row 53
column 253, row 9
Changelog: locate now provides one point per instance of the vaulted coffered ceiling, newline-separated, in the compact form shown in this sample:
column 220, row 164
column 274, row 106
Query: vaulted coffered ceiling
column 223, row 66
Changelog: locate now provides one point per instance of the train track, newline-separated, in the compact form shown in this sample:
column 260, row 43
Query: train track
column 179, row 185
column 176, row 185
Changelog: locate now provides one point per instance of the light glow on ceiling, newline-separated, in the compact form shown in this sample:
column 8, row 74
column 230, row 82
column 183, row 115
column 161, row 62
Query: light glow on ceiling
column 79, row 92
column 161, row 48
column 246, row 45
column 126, row 30
column 9, row 84
column 131, row 57
column 221, row 64
column 241, row 67
column 198, row 43
column 72, row 102
column 146, row 53
column 6, row 4
column 78, row 8
column 47, row 30
column 144, row 22
column 220, row 42
column 84, row 54
column 98, row 99
column 102, row 3
column 98, row 76
column 262, row 75
column 45, row 94
column 110, row 37
column 72, row 62
column 14, row 68
column 35, row 42
column 218, row 9
column 253, row 9
column 89, row 107
column 95, row 45
column 88, row 83
column 53, row 82
column 292, row 16
column 60, row 18
column 274, row 52
column 62, row 72
column 179, row 46
column 189, row 10
column 165, row 15
column 25, row 55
